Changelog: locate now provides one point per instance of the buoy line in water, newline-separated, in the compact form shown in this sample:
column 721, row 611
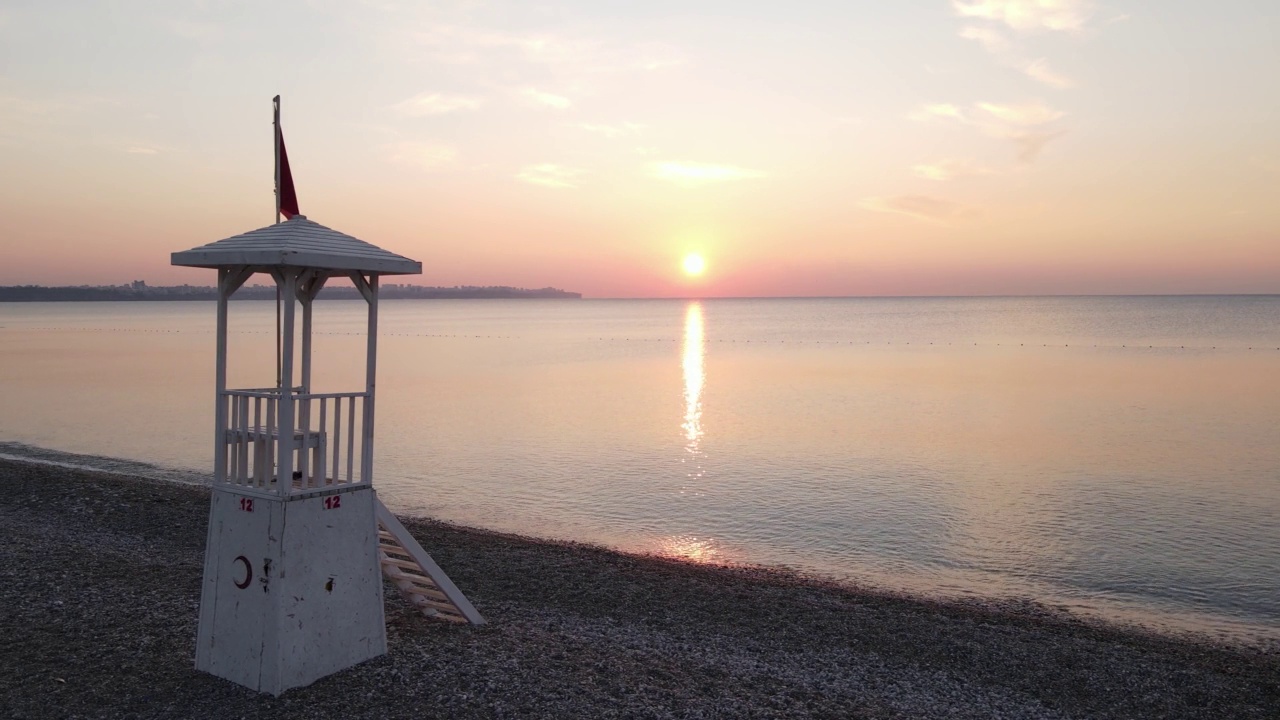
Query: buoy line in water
column 731, row 341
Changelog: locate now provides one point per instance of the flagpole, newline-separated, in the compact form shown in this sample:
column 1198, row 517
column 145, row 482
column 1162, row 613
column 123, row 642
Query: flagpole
column 275, row 142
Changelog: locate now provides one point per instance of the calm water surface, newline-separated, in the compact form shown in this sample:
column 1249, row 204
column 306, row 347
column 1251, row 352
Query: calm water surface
column 1110, row 455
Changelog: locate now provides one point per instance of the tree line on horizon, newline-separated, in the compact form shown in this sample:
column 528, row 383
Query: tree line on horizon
column 140, row 291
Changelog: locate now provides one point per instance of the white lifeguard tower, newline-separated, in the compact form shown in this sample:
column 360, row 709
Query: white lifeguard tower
column 298, row 540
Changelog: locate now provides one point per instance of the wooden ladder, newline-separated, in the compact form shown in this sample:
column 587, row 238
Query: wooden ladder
column 420, row 579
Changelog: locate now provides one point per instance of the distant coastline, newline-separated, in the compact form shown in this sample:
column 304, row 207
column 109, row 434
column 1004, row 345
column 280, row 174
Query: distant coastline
column 140, row 291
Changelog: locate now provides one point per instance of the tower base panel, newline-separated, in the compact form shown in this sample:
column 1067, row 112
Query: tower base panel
column 292, row 587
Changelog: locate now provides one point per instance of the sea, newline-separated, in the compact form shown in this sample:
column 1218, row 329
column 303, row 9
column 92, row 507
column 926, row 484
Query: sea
column 1110, row 457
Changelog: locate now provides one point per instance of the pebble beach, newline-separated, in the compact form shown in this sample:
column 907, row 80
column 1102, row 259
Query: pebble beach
column 99, row 590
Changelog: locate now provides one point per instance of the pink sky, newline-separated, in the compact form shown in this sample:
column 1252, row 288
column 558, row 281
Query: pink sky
column 931, row 147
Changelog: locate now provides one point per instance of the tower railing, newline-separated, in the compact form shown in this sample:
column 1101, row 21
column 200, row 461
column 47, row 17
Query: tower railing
column 327, row 443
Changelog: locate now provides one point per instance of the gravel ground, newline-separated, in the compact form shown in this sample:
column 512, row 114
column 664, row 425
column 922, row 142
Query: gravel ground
column 99, row 589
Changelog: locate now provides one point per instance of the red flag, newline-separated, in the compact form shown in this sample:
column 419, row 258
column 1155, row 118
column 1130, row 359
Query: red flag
column 286, row 196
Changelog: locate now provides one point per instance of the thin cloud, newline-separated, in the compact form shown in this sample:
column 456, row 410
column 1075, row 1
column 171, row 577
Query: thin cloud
column 142, row 150
column 550, row 175
column 940, row 111
column 1029, row 15
column 1039, row 71
column 562, row 54
column 612, row 131
column 453, row 43
column 983, row 113
column 950, row 169
column 993, row 41
column 1010, row 54
column 651, row 64
column 52, row 108
column 656, row 56
column 1023, row 124
column 1025, row 115
column 686, row 173
column 921, row 207
column 27, row 120
column 15, row 105
column 435, row 104
column 1030, row 144
column 545, row 99
column 425, row 156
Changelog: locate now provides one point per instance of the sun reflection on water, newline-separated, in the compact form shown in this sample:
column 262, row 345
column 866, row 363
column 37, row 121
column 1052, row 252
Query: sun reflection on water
column 688, row 547
column 694, row 376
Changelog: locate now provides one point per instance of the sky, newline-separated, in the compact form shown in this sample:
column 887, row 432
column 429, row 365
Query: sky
column 913, row 147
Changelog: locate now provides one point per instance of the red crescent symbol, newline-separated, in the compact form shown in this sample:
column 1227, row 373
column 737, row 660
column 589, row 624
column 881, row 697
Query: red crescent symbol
column 248, row 572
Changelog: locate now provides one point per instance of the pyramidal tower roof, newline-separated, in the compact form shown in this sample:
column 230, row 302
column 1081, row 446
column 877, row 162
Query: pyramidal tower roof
column 298, row 242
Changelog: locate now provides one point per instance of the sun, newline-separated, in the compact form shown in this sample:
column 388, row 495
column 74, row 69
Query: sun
column 693, row 264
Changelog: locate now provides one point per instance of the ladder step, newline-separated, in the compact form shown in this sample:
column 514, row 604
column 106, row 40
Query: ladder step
column 400, row 563
column 396, row 549
column 428, row 593
column 421, row 583
column 444, row 611
column 425, row 585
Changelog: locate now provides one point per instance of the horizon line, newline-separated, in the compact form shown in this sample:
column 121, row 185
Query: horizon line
column 930, row 297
